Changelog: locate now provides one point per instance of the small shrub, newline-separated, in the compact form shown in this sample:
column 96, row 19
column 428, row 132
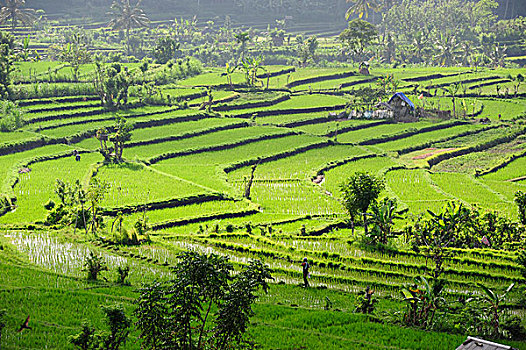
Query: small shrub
column 50, row 204
column 520, row 200
column 229, row 228
column 56, row 214
column 512, row 327
column 86, row 339
column 521, row 290
column 11, row 117
column 94, row 265
column 122, row 275
column 366, row 302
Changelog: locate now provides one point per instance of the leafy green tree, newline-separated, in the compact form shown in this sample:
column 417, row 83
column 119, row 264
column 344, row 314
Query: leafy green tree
column 151, row 312
column 165, row 49
column 70, row 210
column 357, row 36
column 112, row 83
column 7, row 63
column 127, row 17
column 359, row 191
column 95, row 193
column 520, row 200
column 362, row 7
column 122, row 275
column 119, row 138
column 453, row 89
column 120, row 135
column 23, row 53
column 119, row 325
column 439, row 233
column 204, row 307
column 14, row 12
column 242, row 39
column 307, row 49
column 251, row 66
column 234, row 313
column 75, row 54
column 420, row 45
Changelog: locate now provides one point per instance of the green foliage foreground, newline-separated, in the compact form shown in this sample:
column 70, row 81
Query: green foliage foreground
column 287, row 317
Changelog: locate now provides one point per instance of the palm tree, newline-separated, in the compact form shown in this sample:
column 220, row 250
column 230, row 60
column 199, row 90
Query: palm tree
column 126, row 17
column 446, row 46
column 361, row 7
column 13, row 11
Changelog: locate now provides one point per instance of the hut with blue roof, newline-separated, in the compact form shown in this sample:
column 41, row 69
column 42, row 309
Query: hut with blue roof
column 403, row 108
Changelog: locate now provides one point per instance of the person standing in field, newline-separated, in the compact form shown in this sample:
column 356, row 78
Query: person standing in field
column 305, row 265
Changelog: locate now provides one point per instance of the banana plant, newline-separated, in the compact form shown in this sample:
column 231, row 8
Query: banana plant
column 494, row 302
column 441, row 232
column 383, row 214
column 251, row 66
column 24, row 52
column 423, row 300
column 230, row 69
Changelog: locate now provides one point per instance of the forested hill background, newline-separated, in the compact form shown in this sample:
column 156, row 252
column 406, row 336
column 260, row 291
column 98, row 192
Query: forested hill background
column 248, row 12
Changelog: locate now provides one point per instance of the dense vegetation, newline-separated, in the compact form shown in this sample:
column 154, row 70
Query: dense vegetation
column 173, row 175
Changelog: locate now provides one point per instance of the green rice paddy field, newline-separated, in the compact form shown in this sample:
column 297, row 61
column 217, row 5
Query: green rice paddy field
column 176, row 155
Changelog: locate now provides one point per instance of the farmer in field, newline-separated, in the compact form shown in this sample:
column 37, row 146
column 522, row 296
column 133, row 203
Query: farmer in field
column 77, row 155
column 305, row 265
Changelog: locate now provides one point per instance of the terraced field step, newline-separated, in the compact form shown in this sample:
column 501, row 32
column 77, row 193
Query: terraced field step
column 163, row 204
column 370, row 267
column 411, row 132
column 434, row 76
column 478, row 147
column 465, row 81
column 335, row 273
column 62, row 107
column 131, row 115
column 189, row 134
column 202, row 219
column 44, row 140
column 321, row 78
column 54, row 100
column 220, row 147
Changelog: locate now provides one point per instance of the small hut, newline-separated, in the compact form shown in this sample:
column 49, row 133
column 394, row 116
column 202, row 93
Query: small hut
column 363, row 69
column 472, row 343
column 402, row 107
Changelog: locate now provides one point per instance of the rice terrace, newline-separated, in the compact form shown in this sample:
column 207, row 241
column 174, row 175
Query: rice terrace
column 244, row 174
